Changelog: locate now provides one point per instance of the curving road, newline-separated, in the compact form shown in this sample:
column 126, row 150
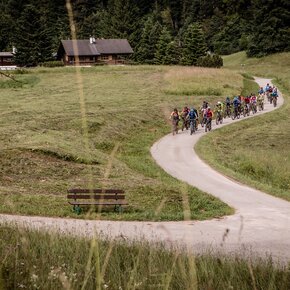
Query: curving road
column 261, row 222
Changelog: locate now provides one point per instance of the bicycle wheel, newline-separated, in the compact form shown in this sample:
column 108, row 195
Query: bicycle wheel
column 191, row 127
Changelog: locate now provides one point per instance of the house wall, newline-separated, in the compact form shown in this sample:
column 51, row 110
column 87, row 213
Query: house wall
column 111, row 59
column 6, row 60
column 83, row 60
column 90, row 60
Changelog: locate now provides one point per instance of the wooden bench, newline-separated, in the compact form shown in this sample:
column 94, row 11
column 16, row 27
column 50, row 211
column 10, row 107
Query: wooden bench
column 78, row 197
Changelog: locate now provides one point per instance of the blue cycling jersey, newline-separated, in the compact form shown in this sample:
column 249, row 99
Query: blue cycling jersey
column 192, row 115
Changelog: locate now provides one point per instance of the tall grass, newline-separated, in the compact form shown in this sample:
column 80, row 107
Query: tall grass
column 34, row 260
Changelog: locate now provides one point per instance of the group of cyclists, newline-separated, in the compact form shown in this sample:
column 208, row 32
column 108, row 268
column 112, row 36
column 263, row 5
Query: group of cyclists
column 240, row 105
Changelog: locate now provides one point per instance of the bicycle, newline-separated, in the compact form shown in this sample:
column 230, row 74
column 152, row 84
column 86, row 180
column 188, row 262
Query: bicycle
column 219, row 118
column 192, row 126
column 236, row 113
column 208, row 124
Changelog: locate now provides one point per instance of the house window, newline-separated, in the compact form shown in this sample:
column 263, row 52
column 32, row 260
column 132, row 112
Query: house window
column 104, row 57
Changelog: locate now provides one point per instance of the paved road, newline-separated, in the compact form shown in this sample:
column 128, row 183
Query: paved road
column 261, row 222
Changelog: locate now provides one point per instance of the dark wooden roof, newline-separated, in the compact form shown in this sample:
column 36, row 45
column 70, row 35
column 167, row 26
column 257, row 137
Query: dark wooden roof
column 7, row 54
column 79, row 47
column 100, row 46
column 113, row 46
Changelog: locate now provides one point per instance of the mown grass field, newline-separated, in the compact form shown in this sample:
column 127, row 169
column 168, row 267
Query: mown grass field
column 256, row 151
column 93, row 127
column 34, row 260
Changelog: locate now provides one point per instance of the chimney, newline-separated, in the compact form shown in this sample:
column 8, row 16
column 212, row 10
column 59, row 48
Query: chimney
column 92, row 40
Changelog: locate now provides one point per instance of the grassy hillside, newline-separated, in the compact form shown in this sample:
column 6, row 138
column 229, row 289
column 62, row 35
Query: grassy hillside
column 63, row 128
column 256, row 151
column 33, row 260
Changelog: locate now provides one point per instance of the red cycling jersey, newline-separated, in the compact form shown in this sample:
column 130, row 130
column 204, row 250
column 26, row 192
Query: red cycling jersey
column 209, row 114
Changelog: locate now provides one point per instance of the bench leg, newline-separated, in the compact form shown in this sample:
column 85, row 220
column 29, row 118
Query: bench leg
column 118, row 208
column 77, row 209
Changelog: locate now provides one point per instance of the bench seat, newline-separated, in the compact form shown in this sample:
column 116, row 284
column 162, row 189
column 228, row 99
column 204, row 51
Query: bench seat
column 99, row 203
column 78, row 197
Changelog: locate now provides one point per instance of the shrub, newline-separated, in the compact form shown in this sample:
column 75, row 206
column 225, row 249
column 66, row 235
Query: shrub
column 55, row 63
column 210, row 61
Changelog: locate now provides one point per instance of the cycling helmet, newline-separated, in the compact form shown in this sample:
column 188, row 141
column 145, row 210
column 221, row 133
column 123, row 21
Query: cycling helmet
column 219, row 103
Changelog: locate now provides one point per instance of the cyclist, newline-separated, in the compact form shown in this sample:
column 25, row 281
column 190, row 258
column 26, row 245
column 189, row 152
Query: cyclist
column 228, row 102
column 227, row 107
column 261, row 91
column 260, row 100
column 220, row 111
column 267, row 91
column 253, row 102
column 183, row 115
column 203, row 115
column 236, row 104
column 204, row 105
column 274, row 96
column 209, row 116
column 174, row 116
column 192, row 116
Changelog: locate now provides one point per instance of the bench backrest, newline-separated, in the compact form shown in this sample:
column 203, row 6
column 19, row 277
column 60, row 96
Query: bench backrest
column 76, row 193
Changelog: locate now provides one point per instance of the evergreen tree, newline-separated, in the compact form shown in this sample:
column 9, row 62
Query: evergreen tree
column 260, row 26
column 194, row 45
column 150, row 35
column 33, row 39
column 6, row 28
column 271, row 33
column 161, row 55
column 173, row 53
column 124, row 20
column 93, row 25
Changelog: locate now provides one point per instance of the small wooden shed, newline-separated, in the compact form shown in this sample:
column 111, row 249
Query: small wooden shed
column 6, row 59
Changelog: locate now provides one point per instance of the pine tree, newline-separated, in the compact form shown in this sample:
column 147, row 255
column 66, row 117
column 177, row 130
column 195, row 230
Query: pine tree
column 6, row 28
column 150, row 35
column 173, row 53
column 33, row 39
column 194, row 45
column 271, row 33
column 124, row 21
column 161, row 55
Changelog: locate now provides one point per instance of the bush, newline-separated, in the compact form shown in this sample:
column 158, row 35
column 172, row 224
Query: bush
column 56, row 63
column 210, row 61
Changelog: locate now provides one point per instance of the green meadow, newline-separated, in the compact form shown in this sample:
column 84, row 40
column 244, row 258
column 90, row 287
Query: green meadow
column 93, row 127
